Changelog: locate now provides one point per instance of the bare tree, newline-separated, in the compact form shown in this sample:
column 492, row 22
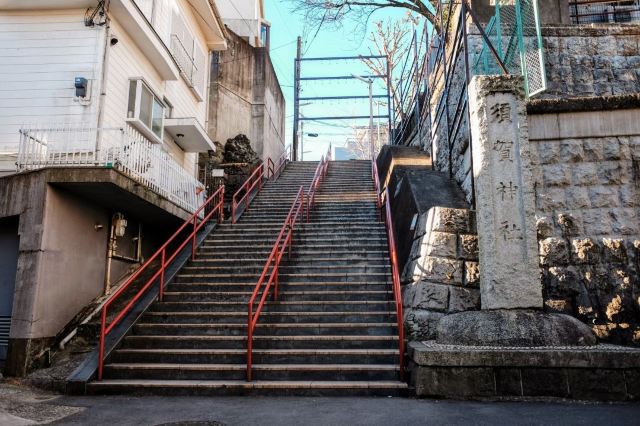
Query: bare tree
column 321, row 12
column 390, row 38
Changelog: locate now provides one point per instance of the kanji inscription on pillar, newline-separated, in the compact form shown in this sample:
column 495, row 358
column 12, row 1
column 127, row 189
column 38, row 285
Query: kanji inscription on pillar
column 504, row 194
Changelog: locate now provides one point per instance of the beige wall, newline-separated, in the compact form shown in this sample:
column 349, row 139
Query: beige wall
column 72, row 266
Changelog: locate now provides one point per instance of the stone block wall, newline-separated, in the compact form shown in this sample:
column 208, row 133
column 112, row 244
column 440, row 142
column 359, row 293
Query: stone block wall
column 587, row 209
column 591, row 60
column 441, row 275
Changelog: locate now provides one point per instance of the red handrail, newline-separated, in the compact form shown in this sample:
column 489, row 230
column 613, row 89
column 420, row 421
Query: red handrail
column 216, row 204
column 269, row 169
column 276, row 168
column 254, row 179
column 393, row 257
column 285, row 238
column 321, row 172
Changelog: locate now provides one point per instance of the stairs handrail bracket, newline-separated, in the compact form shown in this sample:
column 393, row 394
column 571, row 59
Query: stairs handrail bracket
column 269, row 276
column 385, row 212
column 214, row 205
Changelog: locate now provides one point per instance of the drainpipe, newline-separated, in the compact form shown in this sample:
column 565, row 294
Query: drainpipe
column 103, row 78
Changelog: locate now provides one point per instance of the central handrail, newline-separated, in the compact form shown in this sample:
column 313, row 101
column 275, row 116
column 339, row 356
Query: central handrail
column 321, row 172
column 393, row 257
column 285, row 238
column 274, row 169
column 254, row 179
column 215, row 203
column 270, row 170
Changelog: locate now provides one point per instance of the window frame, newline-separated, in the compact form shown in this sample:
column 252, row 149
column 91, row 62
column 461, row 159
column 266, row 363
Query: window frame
column 136, row 120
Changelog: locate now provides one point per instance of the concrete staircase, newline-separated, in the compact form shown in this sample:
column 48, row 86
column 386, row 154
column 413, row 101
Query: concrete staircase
column 332, row 332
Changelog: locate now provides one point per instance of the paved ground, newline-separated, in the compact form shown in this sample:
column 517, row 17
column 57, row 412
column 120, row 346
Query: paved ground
column 20, row 406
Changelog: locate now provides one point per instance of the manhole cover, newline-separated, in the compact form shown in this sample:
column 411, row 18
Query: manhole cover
column 193, row 423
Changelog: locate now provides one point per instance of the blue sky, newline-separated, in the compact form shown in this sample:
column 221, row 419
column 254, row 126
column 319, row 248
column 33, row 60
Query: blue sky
column 345, row 41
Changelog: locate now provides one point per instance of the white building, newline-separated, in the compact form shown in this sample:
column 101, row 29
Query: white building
column 83, row 78
column 247, row 19
column 103, row 109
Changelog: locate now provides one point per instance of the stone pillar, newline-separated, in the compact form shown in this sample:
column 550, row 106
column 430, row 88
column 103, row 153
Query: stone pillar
column 504, row 193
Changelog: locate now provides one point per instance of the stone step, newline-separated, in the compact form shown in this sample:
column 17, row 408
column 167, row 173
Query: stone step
column 294, row 261
column 353, row 341
column 260, row 356
column 284, row 277
column 284, row 306
column 254, row 388
column 285, row 268
column 263, row 328
column 212, row 286
column 266, row 317
column 307, row 295
column 282, row 372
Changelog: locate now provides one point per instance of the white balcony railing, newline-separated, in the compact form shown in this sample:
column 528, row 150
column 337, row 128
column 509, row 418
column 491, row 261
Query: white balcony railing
column 124, row 149
column 190, row 67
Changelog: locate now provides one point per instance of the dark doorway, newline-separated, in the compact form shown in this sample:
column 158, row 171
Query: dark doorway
column 9, row 242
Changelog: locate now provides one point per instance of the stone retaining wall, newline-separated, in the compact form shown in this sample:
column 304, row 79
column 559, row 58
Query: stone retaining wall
column 587, row 209
column 441, row 275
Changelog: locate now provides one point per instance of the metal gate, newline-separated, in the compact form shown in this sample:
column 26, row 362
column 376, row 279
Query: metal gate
column 9, row 242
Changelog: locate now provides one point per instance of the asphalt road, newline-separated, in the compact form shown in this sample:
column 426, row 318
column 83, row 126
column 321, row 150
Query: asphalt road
column 339, row 411
column 20, row 405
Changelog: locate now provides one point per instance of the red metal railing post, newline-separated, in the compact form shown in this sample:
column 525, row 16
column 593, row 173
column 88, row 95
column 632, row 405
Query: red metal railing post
column 276, row 280
column 103, row 325
column 249, row 343
column 193, row 241
column 221, row 207
column 165, row 260
column 162, row 268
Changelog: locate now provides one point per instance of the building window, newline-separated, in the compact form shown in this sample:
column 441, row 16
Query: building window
column 189, row 55
column 145, row 109
column 264, row 35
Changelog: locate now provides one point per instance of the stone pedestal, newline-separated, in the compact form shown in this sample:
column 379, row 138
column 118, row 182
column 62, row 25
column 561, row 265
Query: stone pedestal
column 504, row 192
column 510, row 287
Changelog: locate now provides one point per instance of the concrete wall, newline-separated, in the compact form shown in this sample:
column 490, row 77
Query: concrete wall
column 61, row 259
column 70, row 242
column 246, row 98
column 588, row 208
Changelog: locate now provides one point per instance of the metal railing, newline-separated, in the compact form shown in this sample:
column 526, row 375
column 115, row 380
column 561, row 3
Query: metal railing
column 321, row 172
column 270, row 272
column 242, row 196
column 393, row 258
column 275, row 169
column 214, row 205
column 268, row 170
column 190, row 69
column 604, row 11
column 122, row 148
column 433, row 108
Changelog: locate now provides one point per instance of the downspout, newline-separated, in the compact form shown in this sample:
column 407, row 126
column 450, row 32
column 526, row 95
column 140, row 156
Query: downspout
column 103, row 78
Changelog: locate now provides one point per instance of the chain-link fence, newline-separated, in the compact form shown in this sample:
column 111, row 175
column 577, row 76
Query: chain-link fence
column 514, row 32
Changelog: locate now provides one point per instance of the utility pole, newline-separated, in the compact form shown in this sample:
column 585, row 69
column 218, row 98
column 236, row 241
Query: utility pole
column 369, row 81
column 296, row 96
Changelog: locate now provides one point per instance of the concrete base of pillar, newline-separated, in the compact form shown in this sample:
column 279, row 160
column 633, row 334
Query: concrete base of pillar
column 513, row 327
column 601, row 372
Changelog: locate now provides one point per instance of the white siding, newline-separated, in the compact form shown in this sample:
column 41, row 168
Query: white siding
column 41, row 53
column 125, row 61
column 179, row 94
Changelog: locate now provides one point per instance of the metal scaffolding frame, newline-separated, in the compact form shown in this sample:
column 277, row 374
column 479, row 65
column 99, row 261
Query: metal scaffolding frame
column 299, row 79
